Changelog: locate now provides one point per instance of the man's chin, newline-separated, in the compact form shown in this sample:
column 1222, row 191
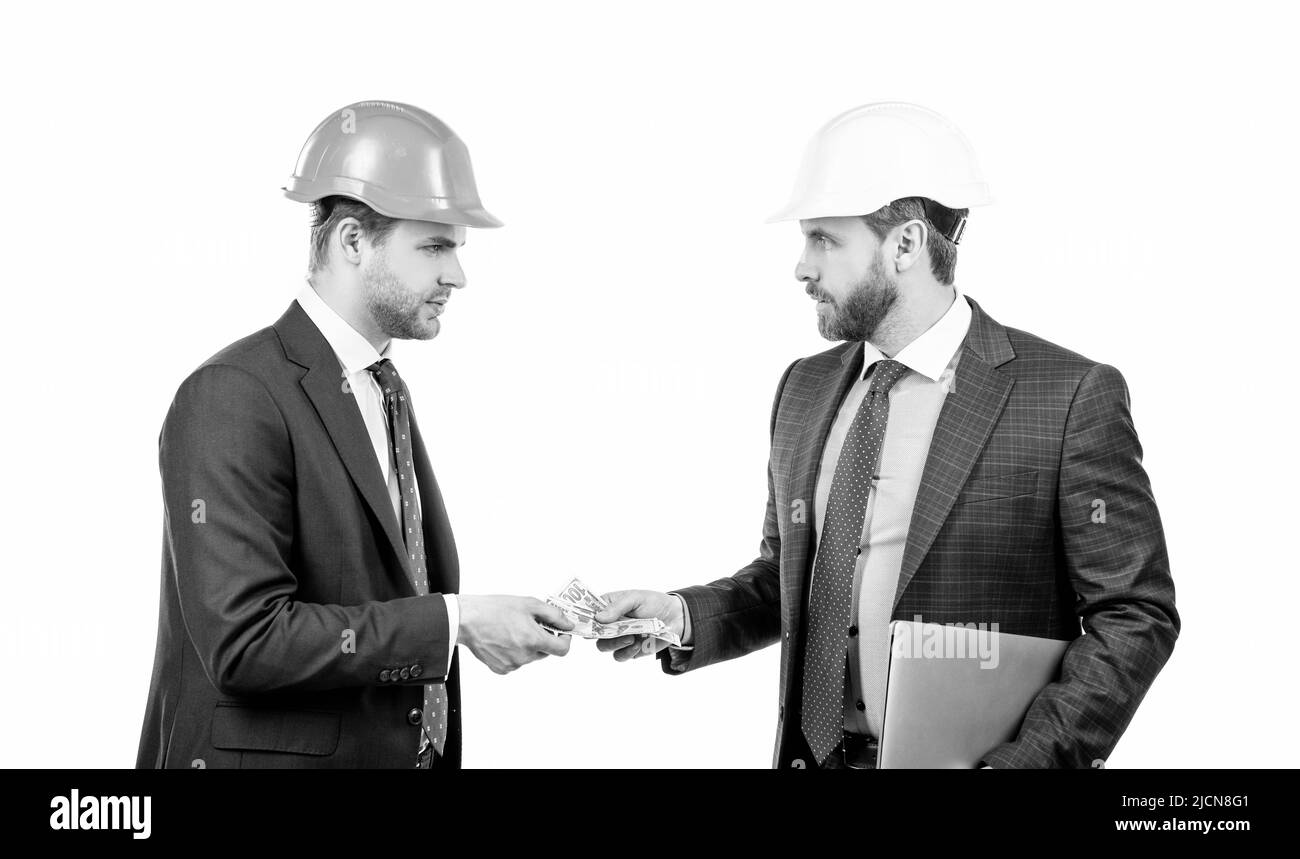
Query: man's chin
column 828, row 325
column 424, row 327
column 835, row 332
column 426, row 330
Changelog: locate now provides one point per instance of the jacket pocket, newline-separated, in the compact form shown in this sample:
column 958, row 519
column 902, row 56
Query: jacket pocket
column 266, row 729
column 998, row 486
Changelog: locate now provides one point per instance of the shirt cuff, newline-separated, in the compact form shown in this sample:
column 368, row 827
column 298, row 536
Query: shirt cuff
column 686, row 624
column 453, row 627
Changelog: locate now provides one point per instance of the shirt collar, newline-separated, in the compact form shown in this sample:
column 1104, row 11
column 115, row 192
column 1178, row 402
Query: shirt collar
column 353, row 350
column 931, row 352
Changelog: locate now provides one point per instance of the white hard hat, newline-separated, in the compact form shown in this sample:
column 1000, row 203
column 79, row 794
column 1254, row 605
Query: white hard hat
column 872, row 155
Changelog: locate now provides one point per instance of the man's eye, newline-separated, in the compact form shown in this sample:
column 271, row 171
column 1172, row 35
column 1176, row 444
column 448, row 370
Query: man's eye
column 434, row 248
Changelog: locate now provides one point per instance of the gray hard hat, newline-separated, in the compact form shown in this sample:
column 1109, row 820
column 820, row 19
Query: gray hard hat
column 399, row 160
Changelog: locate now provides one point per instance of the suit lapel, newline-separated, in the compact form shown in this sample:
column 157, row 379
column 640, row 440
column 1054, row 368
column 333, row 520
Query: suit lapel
column 965, row 423
column 807, row 461
column 337, row 407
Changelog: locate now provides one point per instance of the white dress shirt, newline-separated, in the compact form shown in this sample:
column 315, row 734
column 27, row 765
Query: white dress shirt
column 355, row 354
column 914, row 405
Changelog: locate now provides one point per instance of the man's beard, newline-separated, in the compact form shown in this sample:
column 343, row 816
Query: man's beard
column 395, row 310
column 867, row 305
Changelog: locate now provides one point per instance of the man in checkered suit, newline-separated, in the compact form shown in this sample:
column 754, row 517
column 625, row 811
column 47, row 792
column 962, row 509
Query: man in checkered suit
column 1007, row 485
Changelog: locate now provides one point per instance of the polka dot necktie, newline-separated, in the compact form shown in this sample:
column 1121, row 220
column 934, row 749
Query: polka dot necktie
column 830, row 603
column 433, row 720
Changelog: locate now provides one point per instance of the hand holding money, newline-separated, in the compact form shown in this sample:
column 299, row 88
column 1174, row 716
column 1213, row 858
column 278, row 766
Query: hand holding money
column 595, row 617
column 640, row 604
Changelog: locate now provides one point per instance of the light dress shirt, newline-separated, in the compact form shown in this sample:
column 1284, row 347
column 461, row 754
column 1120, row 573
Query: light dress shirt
column 355, row 354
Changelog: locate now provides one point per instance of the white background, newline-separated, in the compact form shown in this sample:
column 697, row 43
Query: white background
column 609, row 371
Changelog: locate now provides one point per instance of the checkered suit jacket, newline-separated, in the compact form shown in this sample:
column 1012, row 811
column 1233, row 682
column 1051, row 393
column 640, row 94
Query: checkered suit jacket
column 1003, row 532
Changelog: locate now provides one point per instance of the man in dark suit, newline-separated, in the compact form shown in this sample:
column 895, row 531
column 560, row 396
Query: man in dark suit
column 310, row 610
column 936, row 466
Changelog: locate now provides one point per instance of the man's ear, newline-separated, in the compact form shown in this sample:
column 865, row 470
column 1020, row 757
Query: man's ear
column 347, row 236
column 913, row 237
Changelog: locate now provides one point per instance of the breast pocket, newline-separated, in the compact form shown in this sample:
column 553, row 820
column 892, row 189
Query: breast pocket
column 265, row 729
column 998, row 486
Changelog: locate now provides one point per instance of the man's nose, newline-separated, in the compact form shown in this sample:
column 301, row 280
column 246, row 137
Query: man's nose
column 804, row 272
column 453, row 277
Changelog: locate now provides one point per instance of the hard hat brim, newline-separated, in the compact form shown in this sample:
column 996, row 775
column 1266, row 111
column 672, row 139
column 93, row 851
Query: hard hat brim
column 856, row 204
column 438, row 210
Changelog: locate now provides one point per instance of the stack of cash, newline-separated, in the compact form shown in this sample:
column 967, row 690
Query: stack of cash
column 580, row 605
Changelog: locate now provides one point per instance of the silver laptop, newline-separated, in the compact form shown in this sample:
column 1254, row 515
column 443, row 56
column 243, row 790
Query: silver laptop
column 953, row 693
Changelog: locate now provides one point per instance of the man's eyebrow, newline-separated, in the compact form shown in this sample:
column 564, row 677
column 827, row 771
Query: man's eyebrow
column 819, row 233
column 442, row 241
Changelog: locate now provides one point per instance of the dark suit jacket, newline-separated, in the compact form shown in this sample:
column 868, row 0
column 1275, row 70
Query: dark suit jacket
column 289, row 633
column 1003, row 532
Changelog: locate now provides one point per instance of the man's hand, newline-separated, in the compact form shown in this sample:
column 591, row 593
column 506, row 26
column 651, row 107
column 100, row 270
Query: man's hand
column 666, row 607
column 502, row 631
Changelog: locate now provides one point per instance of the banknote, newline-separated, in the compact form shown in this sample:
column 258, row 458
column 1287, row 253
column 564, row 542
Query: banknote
column 580, row 605
column 577, row 594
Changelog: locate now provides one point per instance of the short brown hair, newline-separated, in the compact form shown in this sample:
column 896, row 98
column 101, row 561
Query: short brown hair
column 943, row 253
column 327, row 212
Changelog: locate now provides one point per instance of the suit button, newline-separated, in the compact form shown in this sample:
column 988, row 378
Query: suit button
column 383, row 676
column 853, row 632
column 859, row 550
column 862, row 708
column 417, row 669
column 413, row 716
column 405, row 674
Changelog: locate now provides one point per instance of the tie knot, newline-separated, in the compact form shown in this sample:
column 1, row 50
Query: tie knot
column 885, row 373
column 385, row 374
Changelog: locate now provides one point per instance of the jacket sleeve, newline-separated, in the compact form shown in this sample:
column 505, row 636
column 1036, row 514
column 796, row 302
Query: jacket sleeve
column 741, row 613
column 1115, row 557
column 229, row 493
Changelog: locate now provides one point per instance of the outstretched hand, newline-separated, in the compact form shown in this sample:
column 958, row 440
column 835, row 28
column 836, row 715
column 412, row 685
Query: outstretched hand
column 504, row 634
column 637, row 603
